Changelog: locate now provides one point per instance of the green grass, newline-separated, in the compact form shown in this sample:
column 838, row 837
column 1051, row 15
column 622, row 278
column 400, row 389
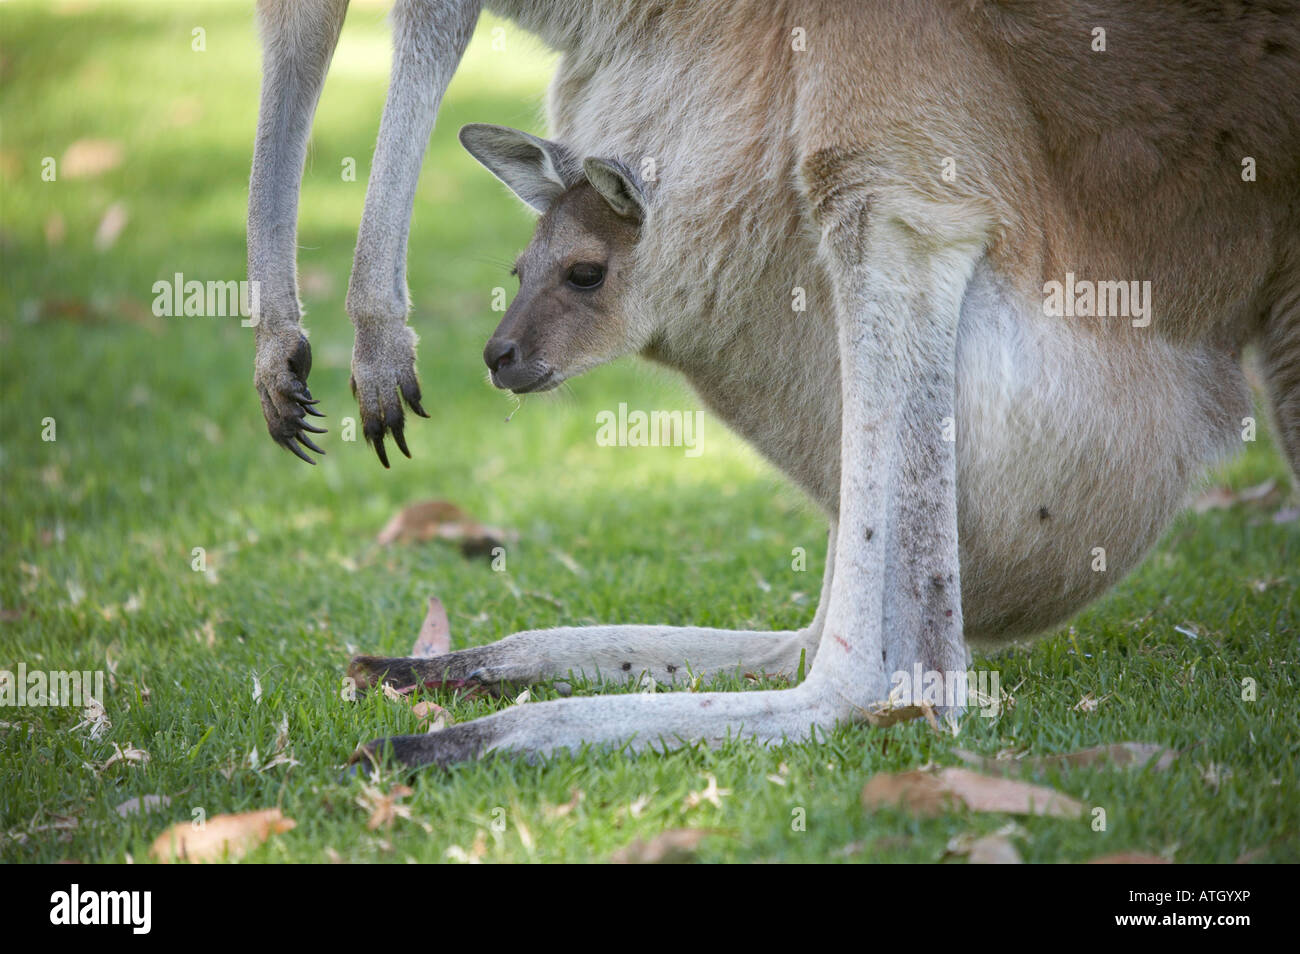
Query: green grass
column 161, row 448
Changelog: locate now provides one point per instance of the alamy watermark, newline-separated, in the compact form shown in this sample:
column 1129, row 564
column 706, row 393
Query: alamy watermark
column 1083, row 298
column 129, row 908
column 624, row 428
column 211, row 299
column 977, row 688
column 38, row 687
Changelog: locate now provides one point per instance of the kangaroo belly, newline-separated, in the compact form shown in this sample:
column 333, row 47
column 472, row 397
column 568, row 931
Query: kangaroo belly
column 1075, row 447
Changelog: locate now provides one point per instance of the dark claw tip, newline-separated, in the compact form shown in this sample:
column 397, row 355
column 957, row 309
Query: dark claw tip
column 400, row 440
column 307, row 442
column 298, row 450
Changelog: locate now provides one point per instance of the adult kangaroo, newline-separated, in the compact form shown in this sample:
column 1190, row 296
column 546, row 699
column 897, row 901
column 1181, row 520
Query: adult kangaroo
column 1031, row 240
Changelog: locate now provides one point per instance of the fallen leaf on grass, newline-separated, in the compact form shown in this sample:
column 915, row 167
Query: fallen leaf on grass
column 886, row 713
column 672, row 847
column 476, row 851
column 94, row 718
column 993, row 850
column 932, row 793
column 87, row 158
column 1215, row 774
column 711, row 794
column 576, row 797
column 223, row 836
column 990, row 849
column 1135, row 754
column 435, row 632
column 1089, row 703
column 128, row 756
column 140, row 805
column 111, row 226
column 433, row 717
column 383, row 806
column 1263, row 586
column 63, row 825
column 282, row 754
column 441, row 520
column 59, row 823
column 207, row 633
column 1221, row 498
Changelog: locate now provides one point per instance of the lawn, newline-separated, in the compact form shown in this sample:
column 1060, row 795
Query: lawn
column 161, row 449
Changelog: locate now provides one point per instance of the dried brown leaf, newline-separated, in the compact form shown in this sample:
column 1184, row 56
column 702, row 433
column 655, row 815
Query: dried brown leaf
column 435, row 632
column 674, row 846
column 884, row 714
column 994, row 850
column 441, row 520
column 433, row 717
column 87, row 158
column 219, row 837
column 110, row 226
column 127, row 756
column 1221, row 498
column 932, row 793
column 383, row 806
column 1089, row 703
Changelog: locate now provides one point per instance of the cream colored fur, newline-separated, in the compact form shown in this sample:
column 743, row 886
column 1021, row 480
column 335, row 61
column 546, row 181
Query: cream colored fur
column 821, row 168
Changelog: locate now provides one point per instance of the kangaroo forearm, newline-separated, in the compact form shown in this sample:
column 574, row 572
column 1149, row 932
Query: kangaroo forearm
column 298, row 43
column 430, row 37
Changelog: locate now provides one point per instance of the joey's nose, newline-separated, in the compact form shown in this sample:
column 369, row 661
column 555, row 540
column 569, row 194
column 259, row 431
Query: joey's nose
column 500, row 354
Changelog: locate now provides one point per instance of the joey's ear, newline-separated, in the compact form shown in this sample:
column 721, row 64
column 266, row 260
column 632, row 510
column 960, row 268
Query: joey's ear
column 536, row 170
column 620, row 187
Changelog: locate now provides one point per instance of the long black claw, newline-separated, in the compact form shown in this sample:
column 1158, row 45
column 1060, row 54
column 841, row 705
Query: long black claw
column 298, row 450
column 313, row 428
column 379, row 449
column 312, row 411
column 400, row 439
column 411, row 392
column 307, row 442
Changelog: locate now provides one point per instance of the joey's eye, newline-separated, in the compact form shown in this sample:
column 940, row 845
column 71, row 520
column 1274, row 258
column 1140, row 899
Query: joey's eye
column 586, row 275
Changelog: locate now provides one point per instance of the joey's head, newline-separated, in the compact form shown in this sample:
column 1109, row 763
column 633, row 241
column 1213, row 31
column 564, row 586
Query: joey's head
column 571, row 312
